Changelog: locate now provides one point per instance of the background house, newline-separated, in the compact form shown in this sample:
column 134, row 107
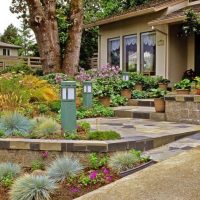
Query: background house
column 9, row 49
column 146, row 39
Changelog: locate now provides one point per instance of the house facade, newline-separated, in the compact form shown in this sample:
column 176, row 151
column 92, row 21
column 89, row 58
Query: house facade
column 146, row 39
column 9, row 49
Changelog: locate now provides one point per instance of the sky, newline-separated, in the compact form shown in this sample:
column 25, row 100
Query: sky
column 6, row 17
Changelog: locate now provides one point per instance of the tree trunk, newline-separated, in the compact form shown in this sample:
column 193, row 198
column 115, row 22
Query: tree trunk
column 71, row 57
column 44, row 24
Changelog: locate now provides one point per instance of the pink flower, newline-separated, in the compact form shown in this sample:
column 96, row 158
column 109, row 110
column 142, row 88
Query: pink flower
column 45, row 154
column 106, row 171
column 74, row 190
column 93, row 175
column 109, row 178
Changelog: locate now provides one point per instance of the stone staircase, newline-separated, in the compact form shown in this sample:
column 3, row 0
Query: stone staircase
column 141, row 109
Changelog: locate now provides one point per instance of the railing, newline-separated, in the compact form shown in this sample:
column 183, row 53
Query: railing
column 94, row 61
column 7, row 61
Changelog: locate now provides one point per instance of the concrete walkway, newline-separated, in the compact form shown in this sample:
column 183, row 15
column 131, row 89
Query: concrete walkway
column 177, row 178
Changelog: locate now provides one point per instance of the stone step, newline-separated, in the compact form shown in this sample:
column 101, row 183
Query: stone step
column 139, row 112
column 141, row 102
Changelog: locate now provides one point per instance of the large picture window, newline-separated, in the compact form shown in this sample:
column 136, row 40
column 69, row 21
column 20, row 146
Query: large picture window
column 114, row 52
column 148, row 52
column 130, row 53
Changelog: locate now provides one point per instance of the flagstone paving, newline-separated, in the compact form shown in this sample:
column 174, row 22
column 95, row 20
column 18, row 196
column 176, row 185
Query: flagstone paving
column 134, row 128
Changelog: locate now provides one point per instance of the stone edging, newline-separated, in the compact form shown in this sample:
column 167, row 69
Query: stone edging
column 183, row 98
column 89, row 146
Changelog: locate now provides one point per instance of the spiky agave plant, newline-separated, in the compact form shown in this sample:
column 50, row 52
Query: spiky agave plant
column 9, row 169
column 29, row 187
column 63, row 168
column 122, row 161
column 12, row 122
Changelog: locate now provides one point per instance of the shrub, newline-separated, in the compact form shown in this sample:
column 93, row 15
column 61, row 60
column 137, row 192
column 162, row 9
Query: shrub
column 96, row 161
column 137, row 94
column 43, row 108
column 46, row 127
column 184, row 84
column 37, row 165
column 123, row 161
column 64, row 168
column 104, row 135
column 85, row 126
column 12, row 122
column 55, row 106
column 8, row 172
column 29, row 187
column 117, row 100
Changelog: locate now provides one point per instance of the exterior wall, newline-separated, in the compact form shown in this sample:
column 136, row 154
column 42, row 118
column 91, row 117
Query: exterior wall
column 137, row 26
column 177, row 55
column 13, row 52
column 191, row 53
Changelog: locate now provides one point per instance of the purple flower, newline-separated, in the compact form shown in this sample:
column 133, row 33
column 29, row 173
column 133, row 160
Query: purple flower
column 74, row 190
column 106, row 171
column 93, row 175
column 45, row 154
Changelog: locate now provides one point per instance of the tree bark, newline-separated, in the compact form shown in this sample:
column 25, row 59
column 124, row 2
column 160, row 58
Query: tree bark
column 44, row 24
column 72, row 54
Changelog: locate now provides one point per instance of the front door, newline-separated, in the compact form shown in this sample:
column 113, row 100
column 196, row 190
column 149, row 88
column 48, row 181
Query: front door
column 197, row 54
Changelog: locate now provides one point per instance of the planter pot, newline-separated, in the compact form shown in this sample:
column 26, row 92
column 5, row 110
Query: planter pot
column 138, row 87
column 198, row 91
column 183, row 91
column 163, row 86
column 126, row 93
column 136, row 169
column 105, row 101
column 159, row 104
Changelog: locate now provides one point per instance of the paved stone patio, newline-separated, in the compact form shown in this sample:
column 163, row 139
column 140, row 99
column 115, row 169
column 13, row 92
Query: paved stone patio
column 141, row 128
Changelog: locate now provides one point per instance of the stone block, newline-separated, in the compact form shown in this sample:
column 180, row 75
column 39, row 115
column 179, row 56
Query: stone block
column 197, row 98
column 50, row 147
column 19, row 145
column 180, row 98
column 158, row 116
column 132, row 102
column 123, row 114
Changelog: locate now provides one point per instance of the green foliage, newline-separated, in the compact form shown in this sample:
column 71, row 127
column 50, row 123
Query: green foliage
column 137, row 78
column 2, row 134
column 163, row 80
column 84, row 180
column 12, row 122
column 123, row 161
column 43, row 108
column 127, row 84
column 45, row 128
column 29, row 187
column 157, row 93
column 118, row 100
column 63, row 168
column 55, row 106
column 184, row 84
column 150, row 83
column 104, row 135
column 97, row 110
column 137, row 94
column 85, row 126
column 96, row 162
column 37, row 165
column 8, row 172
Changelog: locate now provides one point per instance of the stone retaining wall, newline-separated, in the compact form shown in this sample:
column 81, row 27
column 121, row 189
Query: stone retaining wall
column 183, row 108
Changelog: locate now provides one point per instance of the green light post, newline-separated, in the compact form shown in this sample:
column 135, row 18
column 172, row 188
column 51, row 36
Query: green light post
column 125, row 76
column 68, row 106
column 87, row 94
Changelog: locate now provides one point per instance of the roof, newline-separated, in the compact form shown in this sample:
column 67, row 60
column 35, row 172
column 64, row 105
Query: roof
column 151, row 7
column 2, row 44
column 177, row 16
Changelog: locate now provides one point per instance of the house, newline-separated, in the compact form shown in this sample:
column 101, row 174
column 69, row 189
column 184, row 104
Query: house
column 8, row 49
column 146, row 39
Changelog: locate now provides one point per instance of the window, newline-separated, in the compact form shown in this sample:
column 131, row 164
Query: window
column 4, row 52
column 114, row 52
column 130, row 53
column 148, row 52
column 8, row 52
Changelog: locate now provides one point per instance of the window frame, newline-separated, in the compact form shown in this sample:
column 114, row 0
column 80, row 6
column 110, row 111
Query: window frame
column 108, row 48
column 141, row 63
column 124, row 50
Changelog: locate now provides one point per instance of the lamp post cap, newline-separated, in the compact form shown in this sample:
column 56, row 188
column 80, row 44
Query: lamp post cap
column 68, row 83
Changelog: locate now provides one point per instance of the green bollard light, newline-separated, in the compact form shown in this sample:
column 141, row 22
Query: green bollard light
column 125, row 76
column 87, row 94
column 68, row 106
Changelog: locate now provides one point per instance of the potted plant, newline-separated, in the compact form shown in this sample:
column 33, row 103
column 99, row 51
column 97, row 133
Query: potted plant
column 197, row 80
column 103, row 89
column 138, row 79
column 126, row 89
column 159, row 102
column 163, row 83
column 183, row 87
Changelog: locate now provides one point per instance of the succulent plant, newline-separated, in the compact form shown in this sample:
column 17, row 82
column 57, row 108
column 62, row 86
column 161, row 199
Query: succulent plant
column 9, row 169
column 63, row 168
column 122, row 161
column 29, row 187
column 12, row 122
